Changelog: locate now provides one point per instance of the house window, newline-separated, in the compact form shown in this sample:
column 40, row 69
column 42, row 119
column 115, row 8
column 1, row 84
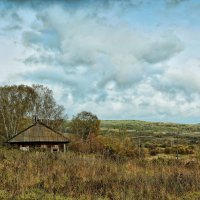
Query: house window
column 55, row 148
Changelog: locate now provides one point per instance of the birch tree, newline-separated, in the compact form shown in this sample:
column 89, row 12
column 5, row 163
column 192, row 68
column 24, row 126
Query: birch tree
column 19, row 104
column 46, row 109
column 16, row 103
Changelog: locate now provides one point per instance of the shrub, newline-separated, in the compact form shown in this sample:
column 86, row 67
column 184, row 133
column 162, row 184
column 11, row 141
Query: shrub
column 179, row 149
column 154, row 151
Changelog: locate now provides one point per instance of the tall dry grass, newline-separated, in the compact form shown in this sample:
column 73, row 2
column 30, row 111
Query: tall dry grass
column 42, row 175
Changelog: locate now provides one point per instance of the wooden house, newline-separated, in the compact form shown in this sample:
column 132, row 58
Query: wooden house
column 39, row 136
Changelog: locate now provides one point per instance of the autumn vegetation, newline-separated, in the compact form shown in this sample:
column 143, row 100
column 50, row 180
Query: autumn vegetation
column 20, row 104
column 74, row 175
column 106, row 160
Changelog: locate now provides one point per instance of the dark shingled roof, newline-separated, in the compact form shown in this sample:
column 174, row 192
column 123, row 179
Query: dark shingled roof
column 38, row 133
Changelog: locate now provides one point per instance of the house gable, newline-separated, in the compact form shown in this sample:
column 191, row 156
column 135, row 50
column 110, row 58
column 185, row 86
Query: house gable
column 38, row 133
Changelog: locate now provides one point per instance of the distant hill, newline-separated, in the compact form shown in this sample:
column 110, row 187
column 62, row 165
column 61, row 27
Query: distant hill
column 159, row 127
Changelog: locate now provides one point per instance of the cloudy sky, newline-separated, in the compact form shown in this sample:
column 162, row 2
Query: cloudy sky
column 120, row 59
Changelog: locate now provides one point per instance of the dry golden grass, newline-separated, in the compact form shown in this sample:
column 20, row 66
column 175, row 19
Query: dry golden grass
column 42, row 175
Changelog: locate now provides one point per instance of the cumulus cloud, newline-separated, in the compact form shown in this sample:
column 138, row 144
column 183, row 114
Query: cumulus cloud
column 97, row 58
column 181, row 79
column 116, row 52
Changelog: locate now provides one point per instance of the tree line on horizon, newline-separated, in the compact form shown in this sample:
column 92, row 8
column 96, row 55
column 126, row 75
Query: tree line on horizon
column 20, row 104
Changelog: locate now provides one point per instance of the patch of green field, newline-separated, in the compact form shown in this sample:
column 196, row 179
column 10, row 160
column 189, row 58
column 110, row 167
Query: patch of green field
column 135, row 125
column 157, row 133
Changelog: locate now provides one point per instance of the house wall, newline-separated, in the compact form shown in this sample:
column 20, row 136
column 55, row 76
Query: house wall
column 24, row 148
column 44, row 147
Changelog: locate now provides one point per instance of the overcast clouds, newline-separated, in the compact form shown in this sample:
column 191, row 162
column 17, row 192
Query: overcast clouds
column 133, row 59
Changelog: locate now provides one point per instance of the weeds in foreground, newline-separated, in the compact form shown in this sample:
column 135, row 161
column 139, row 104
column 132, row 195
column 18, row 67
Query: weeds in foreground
column 42, row 175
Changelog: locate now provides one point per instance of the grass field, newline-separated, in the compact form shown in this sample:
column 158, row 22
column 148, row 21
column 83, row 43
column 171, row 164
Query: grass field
column 152, row 131
column 71, row 176
column 156, row 127
column 128, row 160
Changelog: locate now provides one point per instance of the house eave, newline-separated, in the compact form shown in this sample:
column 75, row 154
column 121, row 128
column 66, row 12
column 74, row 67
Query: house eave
column 39, row 142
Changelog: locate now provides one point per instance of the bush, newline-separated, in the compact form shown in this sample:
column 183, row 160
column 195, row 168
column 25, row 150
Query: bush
column 154, row 151
column 184, row 150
